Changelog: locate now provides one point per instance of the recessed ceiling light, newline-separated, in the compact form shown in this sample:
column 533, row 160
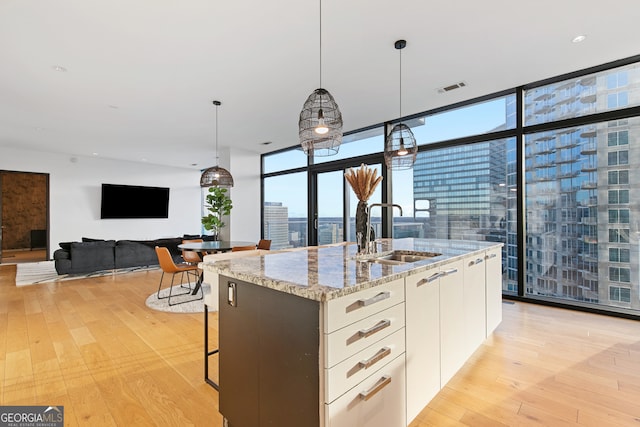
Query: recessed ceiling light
column 95, row 154
column 60, row 68
column 578, row 39
column 194, row 164
column 266, row 142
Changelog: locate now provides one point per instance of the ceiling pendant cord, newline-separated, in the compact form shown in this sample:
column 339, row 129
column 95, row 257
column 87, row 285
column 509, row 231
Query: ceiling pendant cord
column 320, row 46
column 402, row 151
column 217, row 104
column 400, row 148
column 400, row 79
column 216, row 176
column 320, row 123
column 321, row 128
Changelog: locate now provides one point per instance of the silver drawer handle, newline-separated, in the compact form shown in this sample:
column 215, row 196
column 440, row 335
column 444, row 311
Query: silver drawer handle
column 364, row 333
column 452, row 271
column 380, row 297
column 231, row 294
column 381, row 354
column 477, row 261
column 491, row 256
column 431, row 278
column 382, row 383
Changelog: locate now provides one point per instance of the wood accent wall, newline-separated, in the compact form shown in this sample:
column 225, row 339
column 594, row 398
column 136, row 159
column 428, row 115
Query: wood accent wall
column 24, row 207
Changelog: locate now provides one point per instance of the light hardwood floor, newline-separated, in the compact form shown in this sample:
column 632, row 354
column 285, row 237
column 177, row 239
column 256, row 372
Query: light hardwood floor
column 93, row 346
column 17, row 256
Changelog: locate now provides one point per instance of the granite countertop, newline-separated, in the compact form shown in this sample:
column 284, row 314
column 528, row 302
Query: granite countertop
column 322, row 273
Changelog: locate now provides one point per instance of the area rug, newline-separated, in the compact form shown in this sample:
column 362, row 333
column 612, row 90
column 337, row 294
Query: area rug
column 33, row 273
column 196, row 306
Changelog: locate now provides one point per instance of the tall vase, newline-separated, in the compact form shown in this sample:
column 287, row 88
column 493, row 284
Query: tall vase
column 361, row 225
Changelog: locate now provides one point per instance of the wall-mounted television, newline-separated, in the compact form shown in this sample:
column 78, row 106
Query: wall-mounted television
column 132, row 201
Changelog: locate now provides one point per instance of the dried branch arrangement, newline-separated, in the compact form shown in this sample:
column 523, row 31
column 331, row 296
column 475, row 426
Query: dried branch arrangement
column 363, row 181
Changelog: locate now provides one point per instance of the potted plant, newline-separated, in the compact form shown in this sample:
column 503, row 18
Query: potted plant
column 219, row 204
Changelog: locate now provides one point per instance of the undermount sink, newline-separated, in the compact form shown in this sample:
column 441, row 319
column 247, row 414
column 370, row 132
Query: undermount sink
column 401, row 257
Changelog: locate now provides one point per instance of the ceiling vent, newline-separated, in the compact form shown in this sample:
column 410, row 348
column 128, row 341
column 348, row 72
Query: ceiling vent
column 451, row 87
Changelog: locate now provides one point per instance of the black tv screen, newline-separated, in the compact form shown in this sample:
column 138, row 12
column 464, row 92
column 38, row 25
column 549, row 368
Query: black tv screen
column 131, row 201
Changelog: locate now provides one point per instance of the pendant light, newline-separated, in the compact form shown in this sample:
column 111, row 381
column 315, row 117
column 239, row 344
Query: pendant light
column 320, row 125
column 400, row 147
column 216, row 176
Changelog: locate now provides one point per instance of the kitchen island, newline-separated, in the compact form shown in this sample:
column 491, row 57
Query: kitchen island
column 321, row 336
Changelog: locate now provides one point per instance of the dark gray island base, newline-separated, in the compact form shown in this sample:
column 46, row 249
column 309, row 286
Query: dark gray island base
column 319, row 337
column 260, row 369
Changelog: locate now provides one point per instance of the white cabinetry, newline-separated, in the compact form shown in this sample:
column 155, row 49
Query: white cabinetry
column 450, row 310
column 353, row 307
column 474, row 306
column 452, row 321
column 378, row 401
column 363, row 363
column 351, row 371
column 423, row 339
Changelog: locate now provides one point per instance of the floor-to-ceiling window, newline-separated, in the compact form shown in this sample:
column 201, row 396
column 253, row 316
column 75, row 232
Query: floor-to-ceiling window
column 550, row 169
column 582, row 187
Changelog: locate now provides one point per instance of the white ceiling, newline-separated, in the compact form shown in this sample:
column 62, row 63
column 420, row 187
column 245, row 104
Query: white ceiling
column 141, row 75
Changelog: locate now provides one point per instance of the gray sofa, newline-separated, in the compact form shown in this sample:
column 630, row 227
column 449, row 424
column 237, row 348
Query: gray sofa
column 93, row 255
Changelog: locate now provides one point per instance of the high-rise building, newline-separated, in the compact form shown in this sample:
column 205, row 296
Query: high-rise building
column 462, row 192
column 580, row 192
column 276, row 224
column 582, row 233
column 330, row 232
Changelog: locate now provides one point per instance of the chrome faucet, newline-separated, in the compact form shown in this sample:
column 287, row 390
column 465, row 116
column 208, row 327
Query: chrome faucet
column 367, row 250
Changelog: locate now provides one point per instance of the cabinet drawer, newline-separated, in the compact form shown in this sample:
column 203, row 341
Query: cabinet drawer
column 378, row 401
column 351, row 308
column 356, row 368
column 351, row 339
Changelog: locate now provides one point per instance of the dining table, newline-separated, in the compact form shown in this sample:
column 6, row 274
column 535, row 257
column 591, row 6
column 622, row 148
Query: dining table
column 210, row 246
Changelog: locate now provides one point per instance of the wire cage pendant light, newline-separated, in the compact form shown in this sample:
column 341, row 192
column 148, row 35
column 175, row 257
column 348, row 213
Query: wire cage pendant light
column 216, row 176
column 400, row 147
column 320, row 124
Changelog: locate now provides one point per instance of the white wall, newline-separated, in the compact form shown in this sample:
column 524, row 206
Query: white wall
column 75, row 191
column 245, row 195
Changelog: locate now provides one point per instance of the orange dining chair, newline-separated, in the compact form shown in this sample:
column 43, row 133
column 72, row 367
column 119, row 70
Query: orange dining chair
column 264, row 244
column 191, row 257
column 168, row 266
column 243, row 248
